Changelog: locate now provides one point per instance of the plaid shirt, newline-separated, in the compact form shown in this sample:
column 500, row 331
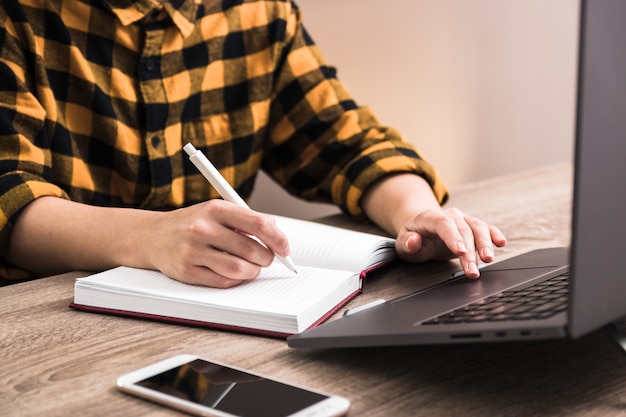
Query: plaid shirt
column 97, row 98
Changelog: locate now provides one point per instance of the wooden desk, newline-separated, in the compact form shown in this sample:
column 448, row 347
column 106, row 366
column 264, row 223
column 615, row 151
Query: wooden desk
column 59, row 362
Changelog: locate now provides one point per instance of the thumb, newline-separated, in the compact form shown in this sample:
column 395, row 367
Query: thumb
column 413, row 247
column 409, row 247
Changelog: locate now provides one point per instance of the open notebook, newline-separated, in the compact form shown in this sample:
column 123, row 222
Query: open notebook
column 332, row 263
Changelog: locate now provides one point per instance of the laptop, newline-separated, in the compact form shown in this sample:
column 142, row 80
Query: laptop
column 583, row 285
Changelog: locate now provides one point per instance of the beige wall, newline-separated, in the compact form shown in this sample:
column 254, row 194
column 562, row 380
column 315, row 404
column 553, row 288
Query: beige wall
column 482, row 87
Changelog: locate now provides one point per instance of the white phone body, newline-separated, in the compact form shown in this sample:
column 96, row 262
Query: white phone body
column 207, row 388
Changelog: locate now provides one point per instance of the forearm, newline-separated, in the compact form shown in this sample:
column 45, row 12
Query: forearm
column 394, row 200
column 207, row 243
column 54, row 235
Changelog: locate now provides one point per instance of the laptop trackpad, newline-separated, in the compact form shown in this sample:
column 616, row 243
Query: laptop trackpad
column 495, row 278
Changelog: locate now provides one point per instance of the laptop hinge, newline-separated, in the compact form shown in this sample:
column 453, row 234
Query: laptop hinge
column 616, row 336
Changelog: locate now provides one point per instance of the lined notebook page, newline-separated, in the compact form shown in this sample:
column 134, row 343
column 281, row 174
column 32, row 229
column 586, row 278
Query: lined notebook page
column 314, row 244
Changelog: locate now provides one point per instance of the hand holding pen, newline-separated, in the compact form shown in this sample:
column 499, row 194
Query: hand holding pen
column 223, row 188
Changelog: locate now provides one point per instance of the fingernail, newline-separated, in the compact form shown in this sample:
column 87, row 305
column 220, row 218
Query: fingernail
column 461, row 246
column 488, row 252
column 407, row 242
column 473, row 268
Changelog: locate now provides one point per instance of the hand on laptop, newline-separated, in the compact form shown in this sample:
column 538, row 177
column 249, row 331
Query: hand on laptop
column 405, row 205
column 447, row 233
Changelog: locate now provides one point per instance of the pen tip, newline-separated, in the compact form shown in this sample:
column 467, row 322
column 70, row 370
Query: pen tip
column 288, row 264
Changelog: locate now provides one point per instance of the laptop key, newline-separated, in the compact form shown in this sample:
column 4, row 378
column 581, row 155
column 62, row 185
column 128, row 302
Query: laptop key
column 539, row 301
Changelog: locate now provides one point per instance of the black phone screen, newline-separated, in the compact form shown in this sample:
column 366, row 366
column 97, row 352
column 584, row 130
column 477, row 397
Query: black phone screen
column 231, row 390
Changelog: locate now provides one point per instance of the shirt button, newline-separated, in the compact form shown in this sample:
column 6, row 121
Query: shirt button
column 150, row 65
column 156, row 141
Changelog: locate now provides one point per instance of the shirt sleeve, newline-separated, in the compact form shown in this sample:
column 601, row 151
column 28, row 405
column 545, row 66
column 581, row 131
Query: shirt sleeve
column 324, row 147
column 25, row 168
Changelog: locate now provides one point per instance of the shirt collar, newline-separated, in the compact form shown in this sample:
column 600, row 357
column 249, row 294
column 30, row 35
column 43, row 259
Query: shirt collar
column 182, row 12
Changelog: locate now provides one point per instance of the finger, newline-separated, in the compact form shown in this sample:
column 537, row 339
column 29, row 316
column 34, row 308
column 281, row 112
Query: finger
column 205, row 275
column 446, row 225
column 482, row 238
column 468, row 259
column 253, row 223
column 221, row 269
column 200, row 275
column 242, row 246
column 485, row 236
column 412, row 247
column 230, row 266
column 497, row 237
column 210, row 239
column 409, row 247
column 217, row 254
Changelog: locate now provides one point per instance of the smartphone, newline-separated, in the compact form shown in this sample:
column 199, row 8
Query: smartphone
column 206, row 388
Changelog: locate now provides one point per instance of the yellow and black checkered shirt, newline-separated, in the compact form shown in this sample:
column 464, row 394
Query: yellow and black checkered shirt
column 97, row 98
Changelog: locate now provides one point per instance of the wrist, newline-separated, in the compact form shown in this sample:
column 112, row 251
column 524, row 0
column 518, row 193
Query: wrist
column 394, row 201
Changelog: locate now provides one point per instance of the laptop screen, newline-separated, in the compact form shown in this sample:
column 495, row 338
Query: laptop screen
column 599, row 217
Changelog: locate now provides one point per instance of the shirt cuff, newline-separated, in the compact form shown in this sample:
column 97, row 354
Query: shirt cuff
column 349, row 186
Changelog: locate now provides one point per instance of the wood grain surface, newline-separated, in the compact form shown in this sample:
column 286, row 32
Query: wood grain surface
column 59, row 362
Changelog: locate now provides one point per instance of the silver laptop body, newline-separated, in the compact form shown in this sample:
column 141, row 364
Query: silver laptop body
column 595, row 291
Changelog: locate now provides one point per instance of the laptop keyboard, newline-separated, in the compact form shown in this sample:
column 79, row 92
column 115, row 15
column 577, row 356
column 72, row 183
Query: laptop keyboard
column 539, row 301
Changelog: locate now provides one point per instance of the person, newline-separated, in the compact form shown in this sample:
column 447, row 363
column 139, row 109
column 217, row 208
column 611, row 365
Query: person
column 97, row 99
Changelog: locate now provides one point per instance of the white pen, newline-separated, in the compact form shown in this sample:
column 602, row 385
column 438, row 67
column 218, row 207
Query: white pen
column 223, row 187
